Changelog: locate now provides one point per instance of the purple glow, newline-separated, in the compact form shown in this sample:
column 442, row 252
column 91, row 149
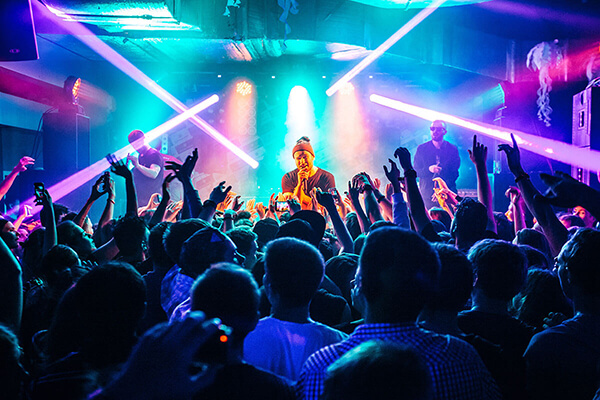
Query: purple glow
column 74, row 181
column 375, row 54
column 559, row 151
column 91, row 40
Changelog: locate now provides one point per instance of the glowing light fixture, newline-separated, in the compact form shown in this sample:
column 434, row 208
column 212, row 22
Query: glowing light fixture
column 347, row 89
column 74, row 181
column 243, row 88
column 71, row 87
column 375, row 54
column 559, row 151
column 104, row 50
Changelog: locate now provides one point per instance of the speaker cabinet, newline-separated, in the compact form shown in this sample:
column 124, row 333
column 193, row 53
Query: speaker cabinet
column 66, row 142
column 17, row 31
column 585, row 130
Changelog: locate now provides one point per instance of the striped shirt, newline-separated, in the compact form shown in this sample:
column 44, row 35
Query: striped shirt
column 456, row 369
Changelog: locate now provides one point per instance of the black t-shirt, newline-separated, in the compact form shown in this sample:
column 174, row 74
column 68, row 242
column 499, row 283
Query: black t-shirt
column 145, row 187
column 244, row 381
column 321, row 179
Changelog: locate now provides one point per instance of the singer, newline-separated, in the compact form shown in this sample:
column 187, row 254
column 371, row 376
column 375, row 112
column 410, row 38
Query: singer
column 301, row 181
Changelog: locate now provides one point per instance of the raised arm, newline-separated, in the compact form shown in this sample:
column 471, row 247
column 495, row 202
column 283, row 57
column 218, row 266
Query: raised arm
column 478, row 155
column 48, row 222
column 353, row 193
column 399, row 208
column 109, row 209
column 11, row 289
column 159, row 213
column 555, row 232
column 372, row 196
column 95, row 195
column 415, row 201
column 327, row 201
column 183, row 172
column 516, row 208
column 218, row 194
column 120, row 168
column 10, row 179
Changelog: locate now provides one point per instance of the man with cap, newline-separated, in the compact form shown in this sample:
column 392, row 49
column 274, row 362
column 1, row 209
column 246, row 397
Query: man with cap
column 306, row 176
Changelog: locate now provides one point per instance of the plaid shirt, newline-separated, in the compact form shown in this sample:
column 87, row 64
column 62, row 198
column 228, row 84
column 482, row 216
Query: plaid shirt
column 174, row 289
column 457, row 371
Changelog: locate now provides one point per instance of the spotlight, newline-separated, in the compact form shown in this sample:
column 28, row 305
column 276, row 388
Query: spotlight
column 348, row 88
column 243, row 88
column 71, row 88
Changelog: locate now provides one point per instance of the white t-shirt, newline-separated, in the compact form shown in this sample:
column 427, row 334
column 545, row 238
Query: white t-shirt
column 282, row 347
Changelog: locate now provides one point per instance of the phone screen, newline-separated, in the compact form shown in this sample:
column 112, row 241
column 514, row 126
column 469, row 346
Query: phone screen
column 38, row 188
column 282, row 206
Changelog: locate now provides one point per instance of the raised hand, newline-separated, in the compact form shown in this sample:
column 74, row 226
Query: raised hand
column 23, row 163
column 294, row 205
column 478, row 154
column 261, row 210
column 403, row 156
column 118, row 167
column 219, row 193
column 96, row 192
column 514, row 195
column 513, row 156
column 393, row 174
column 353, row 190
column 250, row 205
column 165, row 186
column 325, row 199
column 237, row 204
column 25, row 210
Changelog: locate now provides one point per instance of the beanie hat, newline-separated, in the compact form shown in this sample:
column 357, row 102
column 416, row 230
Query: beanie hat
column 303, row 144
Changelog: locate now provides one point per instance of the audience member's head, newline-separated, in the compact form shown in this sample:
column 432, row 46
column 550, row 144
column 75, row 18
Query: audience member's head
column 316, row 221
column 352, row 225
column 540, row 296
column 378, row 370
column 11, row 371
column 505, row 228
column 456, row 280
column 439, row 214
column 298, row 229
column 57, row 267
column 535, row 258
column 206, row 247
column 535, row 239
column 70, row 234
column 228, row 292
column 398, row 270
column 156, row 248
column 470, row 221
column 131, row 235
column 578, row 263
column 359, row 242
column 99, row 315
column 266, row 229
column 245, row 240
column 341, row 270
column 294, row 270
column 587, row 218
column 500, row 268
column 178, row 233
column 9, row 234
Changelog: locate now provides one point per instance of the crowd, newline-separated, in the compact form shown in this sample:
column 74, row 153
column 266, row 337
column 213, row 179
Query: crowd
column 365, row 296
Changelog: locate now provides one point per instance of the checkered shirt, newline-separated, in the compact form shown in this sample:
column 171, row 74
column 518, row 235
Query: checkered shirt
column 457, row 371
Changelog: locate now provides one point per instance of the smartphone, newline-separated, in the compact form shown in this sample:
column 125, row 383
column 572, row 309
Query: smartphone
column 214, row 350
column 333, row 192
column 38, row 189
column 105, row 178
column 282, row 206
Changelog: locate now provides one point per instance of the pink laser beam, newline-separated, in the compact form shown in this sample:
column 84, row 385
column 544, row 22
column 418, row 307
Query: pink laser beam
column 104, row 50
column 67, row 185
column 553, row 149
column 375, row 54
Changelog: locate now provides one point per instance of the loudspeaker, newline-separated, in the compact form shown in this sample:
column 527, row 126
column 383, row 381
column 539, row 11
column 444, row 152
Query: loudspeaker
column 585, row 129
column 17, row 31
column 66, row 142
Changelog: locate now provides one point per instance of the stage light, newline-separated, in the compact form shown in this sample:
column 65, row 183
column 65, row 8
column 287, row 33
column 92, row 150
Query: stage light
column 110, row 55
column 300, row 121
column 243, row 88
column 400, row 33
column 347, row 89
column 71, row 87
column 73, row 182
column 559, row 151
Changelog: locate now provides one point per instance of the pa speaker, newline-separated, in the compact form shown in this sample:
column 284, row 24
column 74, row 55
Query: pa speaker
column 66, row 142
column 17, row 31
column 586, row 129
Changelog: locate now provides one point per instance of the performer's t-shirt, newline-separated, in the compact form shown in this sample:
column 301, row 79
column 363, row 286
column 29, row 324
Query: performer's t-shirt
column 321, row 179
column 145, row 187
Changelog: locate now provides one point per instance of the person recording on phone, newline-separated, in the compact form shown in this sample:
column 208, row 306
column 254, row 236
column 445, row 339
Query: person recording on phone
column 301, row 181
